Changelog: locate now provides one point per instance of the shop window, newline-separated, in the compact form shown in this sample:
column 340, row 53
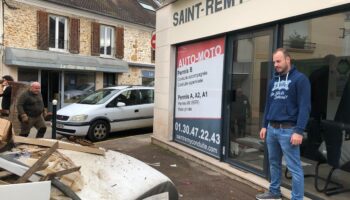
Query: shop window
column 106, row 40
column 28, row 75
column 78, row 85
column 109, row 79
column 147, row 78
column 296, row 37
column 58, row 32
column 328, row 69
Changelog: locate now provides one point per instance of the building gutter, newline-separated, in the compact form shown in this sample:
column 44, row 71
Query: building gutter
column 166, row 2
column 141, row 64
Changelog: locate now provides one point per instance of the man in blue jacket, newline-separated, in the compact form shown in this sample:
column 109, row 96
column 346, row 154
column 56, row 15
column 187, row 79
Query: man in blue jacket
column 286, row 114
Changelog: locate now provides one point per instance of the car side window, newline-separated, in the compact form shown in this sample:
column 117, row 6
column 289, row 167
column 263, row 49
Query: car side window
column 129, row 97
column 147, row 96
column 113, row 103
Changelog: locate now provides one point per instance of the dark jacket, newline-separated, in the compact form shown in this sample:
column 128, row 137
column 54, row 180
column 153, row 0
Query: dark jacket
column 6, row 98
column 289, row 100
column 30, row 104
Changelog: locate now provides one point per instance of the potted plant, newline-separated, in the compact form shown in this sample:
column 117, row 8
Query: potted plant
column 297, row 41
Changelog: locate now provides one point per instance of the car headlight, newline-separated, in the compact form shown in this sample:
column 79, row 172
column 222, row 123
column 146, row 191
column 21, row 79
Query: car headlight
column 78, row 118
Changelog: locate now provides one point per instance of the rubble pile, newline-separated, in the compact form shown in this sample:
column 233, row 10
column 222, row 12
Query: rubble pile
column 24, row 160
column 62, row 170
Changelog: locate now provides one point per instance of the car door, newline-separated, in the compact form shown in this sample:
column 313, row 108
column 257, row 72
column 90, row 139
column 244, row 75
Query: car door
column 127, row 116
column 146, row 108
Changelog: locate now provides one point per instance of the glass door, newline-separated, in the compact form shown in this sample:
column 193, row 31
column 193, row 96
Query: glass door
column 50, row 87
column 251, row 57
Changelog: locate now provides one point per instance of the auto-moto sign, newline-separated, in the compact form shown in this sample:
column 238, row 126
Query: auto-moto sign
column 198, row 98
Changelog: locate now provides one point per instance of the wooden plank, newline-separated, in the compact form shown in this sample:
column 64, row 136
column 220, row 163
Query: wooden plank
column 59, row 173
column 30, row 162
column 4, row 174
column 5, row 129
column 37, row 165
column 61, row 145
column 3, row 182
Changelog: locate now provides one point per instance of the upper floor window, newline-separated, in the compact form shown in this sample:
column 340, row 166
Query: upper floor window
column 58, row 32
column 106, row 40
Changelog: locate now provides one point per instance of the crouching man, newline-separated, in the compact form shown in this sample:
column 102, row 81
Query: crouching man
column 30, row 108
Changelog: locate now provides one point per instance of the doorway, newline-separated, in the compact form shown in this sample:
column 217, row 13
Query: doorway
column 50, row 87
column 248, row 79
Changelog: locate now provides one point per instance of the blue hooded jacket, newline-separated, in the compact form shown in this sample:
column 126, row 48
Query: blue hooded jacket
column 289, row 100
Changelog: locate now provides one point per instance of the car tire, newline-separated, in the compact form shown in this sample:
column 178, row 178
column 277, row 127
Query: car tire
column 99, row 130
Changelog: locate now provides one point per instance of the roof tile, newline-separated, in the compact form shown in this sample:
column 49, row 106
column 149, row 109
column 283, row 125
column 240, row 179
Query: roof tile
column 126, row 10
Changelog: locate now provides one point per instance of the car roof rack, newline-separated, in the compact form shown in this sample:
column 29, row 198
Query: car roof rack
column 131, row 86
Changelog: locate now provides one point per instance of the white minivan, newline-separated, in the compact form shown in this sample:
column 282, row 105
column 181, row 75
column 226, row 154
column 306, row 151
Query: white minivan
column 107, row 110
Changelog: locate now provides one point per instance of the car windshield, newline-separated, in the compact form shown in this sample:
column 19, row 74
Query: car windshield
column 99, row 96
column 85, row 86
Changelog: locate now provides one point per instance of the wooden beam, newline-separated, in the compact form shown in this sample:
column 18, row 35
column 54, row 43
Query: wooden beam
column 3, row 182
column 37, row 165
column 59, row 173
column 61, row 145
column 4, row 174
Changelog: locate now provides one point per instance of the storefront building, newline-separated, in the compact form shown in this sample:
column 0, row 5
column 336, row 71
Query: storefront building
column 75, row 47
column 213, row 64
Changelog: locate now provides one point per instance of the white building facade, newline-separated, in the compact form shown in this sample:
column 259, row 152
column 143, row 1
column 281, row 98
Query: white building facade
column 213, row 64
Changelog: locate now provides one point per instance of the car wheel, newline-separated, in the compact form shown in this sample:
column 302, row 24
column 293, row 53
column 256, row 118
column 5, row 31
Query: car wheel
column 98, row 131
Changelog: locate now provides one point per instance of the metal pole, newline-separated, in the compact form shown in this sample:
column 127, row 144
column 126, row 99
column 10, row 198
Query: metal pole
column 54, row 117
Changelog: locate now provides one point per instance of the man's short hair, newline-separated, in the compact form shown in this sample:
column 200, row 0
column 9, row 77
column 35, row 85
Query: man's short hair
column 284, row 51
column 8, row 78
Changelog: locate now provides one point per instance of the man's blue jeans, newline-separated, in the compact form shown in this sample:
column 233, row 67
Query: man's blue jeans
column 278, row 144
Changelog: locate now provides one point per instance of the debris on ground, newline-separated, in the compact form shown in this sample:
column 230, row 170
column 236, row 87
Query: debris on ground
column 77, row 171
column 24, row 160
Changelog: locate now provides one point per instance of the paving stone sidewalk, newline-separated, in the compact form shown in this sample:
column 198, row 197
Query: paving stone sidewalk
column 192, row 180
